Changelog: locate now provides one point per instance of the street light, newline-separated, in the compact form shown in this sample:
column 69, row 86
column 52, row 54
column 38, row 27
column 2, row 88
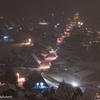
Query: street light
column 29, row 40
column 52, row 14
column 17, row 75
column 75, row 84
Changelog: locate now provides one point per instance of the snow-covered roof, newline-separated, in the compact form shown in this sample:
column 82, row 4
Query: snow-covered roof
column 89, row 94
column 95, row 64
column 76, row 57
column 84, row 73
column 74, row 60
column 34, row 59
column 64, row 92
column 59, row 61
column 74, row 69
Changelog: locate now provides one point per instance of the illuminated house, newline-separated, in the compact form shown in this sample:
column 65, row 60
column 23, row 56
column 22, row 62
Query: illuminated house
column 76, row 17
column 35, row 82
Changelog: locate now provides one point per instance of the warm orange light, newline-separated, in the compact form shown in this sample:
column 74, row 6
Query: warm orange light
column 17, row 75
column 29, row 40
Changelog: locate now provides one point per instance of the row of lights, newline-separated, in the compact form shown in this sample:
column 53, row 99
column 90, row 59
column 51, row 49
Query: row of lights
column 39, row 84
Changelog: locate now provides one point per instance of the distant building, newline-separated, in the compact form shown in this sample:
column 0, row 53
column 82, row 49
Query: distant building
column 31, row 62
column 75, row 31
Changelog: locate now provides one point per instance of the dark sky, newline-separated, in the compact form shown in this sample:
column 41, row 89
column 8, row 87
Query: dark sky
column 39, row 6
column 87, row 8
column 30, row 6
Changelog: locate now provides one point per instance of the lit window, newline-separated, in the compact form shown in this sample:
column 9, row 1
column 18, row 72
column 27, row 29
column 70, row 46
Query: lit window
column 37, row 84
column 41, row 84
column 57, row 24
column 6, row 37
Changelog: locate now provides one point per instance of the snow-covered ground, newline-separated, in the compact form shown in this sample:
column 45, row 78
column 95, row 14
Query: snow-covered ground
column 60, row 77
column 51, row 84
column 69, row 79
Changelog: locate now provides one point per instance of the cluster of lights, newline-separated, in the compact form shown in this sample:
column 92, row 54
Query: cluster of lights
column 41, row 84
column 80, row 23
column 56, row 25
column 52, row 51
column 59, row 41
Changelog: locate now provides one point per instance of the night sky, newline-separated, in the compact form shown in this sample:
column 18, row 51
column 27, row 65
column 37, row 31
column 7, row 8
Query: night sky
column 87, row 8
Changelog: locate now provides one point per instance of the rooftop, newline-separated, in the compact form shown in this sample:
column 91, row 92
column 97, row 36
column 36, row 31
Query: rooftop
column 84, row 73
column 95, row 64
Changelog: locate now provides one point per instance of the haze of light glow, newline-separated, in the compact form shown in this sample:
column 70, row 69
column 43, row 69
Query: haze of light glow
column 75, row 84
column 50, row 58
column 20, row 80
column 43, row 23
column 29, row 40
column 2, row 84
